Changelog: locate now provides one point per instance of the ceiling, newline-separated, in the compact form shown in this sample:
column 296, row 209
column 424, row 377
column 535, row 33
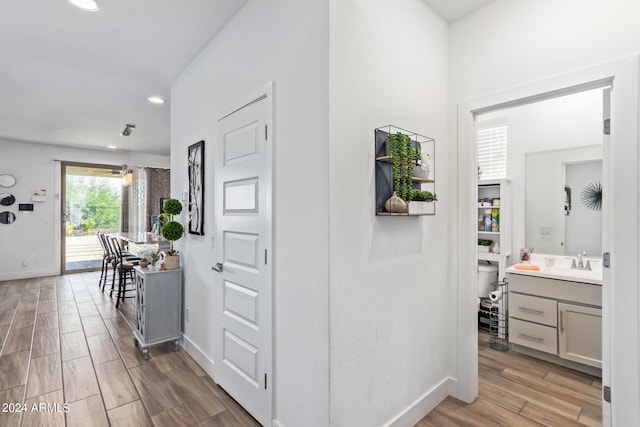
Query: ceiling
column 451, row 10
column 75, row 78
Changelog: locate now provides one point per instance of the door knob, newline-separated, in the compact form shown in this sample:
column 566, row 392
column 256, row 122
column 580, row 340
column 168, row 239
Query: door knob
column 217, row 267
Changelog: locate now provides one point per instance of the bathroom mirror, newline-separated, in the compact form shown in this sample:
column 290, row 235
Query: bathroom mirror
column 7, row 180
column 7, row 217
column 561, row 215
column 7, row 199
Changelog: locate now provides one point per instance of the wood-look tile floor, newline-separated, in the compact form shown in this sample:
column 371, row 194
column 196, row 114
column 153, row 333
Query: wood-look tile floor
column 65, row 343
column 517, row 390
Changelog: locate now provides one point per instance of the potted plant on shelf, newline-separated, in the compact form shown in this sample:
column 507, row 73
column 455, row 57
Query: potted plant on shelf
column 403, row 158
column 422, row 202
column 172, row 231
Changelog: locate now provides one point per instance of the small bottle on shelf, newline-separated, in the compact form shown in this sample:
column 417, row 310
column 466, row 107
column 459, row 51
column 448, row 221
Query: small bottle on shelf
column 495, row 220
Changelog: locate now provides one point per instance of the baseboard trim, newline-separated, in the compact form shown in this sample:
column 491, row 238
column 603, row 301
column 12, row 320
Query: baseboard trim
column 31, row 274
column 425, row 404
column 198, row 355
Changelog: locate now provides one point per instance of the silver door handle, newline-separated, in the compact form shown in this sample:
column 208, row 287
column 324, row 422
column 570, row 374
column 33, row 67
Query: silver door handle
column 217, row 267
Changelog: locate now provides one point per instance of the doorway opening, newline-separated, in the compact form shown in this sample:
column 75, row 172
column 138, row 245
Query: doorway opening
column 91, row 203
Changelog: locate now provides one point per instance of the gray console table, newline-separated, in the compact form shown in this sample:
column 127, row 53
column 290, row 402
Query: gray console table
column 158, row 304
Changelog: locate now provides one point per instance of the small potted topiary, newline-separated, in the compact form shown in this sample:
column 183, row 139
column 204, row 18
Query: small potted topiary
column 172, row 231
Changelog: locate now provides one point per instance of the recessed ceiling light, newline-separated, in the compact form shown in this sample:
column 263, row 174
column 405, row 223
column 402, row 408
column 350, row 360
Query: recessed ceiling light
column 111, row 147
column 89, row 5
column 156, row 100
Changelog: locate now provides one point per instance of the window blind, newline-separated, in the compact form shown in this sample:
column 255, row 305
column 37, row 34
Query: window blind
column 492, row 152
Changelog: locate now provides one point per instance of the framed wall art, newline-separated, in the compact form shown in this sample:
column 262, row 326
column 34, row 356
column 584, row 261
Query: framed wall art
column 196, row 188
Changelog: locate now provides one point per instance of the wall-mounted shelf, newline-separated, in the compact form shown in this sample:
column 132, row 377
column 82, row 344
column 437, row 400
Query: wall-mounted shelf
column 384, row 170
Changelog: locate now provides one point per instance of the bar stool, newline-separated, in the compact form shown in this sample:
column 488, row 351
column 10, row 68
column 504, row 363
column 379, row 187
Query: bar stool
column 124, row 266
column 107, row 259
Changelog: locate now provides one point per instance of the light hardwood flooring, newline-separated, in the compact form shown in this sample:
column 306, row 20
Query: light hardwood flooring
column 517, row 390
column 64, row 343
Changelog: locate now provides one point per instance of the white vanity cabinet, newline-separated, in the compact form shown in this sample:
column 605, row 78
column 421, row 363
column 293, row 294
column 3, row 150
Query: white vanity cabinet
column 580, row 334
column 560, row 320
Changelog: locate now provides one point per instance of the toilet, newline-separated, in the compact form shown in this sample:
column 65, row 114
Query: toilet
column 487, row 274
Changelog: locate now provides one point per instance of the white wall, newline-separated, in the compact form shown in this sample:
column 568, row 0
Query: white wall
column 392, row 342
column 35, row 236
column 567, row 122
column 510, row 44
column 283, row 41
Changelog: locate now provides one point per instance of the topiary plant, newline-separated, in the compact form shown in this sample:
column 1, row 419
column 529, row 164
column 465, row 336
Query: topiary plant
column 172, row 230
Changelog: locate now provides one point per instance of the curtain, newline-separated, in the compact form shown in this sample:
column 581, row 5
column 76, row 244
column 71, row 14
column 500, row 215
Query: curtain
column 158, row 187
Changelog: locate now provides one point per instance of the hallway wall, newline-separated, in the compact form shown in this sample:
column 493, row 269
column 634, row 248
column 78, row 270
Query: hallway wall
column 283, row 41
column 392, row 324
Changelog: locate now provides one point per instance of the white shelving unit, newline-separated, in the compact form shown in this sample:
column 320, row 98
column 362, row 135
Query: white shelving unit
column 498, row 189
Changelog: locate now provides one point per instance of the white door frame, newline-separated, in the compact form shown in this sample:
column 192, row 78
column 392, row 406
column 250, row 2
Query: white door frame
column 620, row 296
column 249, row 98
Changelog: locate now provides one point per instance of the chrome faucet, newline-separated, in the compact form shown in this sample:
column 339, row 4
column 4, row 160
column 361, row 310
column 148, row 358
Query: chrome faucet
column 581, row 264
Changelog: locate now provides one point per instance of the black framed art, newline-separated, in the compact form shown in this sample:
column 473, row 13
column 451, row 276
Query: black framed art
column 196, row 188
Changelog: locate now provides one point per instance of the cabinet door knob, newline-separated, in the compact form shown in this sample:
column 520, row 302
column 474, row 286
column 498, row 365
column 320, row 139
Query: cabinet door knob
column 217, row 267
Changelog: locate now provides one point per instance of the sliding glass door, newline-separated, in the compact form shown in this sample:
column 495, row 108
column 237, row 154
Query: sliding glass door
column 91, row 203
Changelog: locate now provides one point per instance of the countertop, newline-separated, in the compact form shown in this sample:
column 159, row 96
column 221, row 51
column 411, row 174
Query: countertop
column 562, row 269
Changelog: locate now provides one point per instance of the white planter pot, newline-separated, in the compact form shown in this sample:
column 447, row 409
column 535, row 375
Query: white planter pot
column 421, row 207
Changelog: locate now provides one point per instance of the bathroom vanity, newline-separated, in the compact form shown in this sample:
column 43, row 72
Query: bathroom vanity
column 555, row 314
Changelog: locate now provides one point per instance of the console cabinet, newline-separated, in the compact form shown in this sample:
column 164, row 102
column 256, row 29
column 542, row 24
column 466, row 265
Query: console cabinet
column 158, row 308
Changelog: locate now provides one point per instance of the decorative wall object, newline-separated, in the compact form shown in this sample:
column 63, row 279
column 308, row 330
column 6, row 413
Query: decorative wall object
column 196, row 188
column 404, row 167
column 39, row 195
column 7, row 180
column 591, row 196
column 7, row 217
column 7, row 199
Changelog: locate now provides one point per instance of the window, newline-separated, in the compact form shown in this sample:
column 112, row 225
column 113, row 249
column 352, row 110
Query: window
column 492, row 151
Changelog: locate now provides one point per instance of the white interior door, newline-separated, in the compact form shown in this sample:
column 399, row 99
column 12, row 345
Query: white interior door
column 243, row 211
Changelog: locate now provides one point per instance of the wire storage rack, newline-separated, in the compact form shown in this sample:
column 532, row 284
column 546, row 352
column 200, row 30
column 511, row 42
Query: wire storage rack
column 498, row 319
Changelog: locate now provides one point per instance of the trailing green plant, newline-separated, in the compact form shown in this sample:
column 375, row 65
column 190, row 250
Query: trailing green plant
column 172, row 230
column 424, row 196
column 403, row 157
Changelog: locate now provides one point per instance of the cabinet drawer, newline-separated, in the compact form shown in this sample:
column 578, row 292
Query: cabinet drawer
column 534, row 309
column 532, row 335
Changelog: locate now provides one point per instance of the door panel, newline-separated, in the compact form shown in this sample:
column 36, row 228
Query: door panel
column 243, row 309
